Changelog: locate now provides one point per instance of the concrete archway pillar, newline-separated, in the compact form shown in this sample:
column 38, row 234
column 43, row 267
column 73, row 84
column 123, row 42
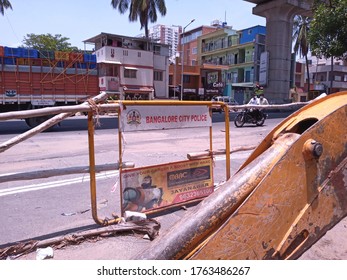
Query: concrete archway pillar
column 279, row 16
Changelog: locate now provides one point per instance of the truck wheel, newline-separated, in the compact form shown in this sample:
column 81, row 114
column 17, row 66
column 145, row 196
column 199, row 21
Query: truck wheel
column 35, row 121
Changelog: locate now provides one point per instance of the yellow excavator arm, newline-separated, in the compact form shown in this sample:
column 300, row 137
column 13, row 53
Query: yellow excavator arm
column 285, row 197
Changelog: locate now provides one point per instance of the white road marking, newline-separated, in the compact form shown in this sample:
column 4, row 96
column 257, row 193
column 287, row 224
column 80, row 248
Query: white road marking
column 83, row 179
column 56, row 184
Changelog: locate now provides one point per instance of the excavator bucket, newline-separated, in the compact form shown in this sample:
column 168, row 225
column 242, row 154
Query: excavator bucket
column 284, row 198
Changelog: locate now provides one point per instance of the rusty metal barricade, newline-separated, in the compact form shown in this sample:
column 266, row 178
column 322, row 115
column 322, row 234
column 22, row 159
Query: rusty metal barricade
column 124, row 104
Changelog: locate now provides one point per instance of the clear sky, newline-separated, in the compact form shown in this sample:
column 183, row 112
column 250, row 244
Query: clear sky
column 80, row 19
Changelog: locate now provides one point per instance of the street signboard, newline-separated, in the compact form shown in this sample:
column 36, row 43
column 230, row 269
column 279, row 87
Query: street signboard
column 263, row 69
column 135, row 118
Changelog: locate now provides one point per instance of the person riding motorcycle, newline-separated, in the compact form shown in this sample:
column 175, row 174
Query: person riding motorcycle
column 254, row 111
column 263, row 100
column 252, row 115
column 258, row 99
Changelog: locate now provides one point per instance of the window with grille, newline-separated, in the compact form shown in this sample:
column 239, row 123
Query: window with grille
column 158, row 76
column 130, row 73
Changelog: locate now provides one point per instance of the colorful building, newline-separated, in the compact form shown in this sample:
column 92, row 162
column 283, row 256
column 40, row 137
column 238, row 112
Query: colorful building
column 193, row 84
column 240, row 52
column 131, row 67
column 220, row 61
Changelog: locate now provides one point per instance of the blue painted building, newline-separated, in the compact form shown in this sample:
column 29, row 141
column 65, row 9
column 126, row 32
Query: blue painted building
column 249, row 35
column 238, row 52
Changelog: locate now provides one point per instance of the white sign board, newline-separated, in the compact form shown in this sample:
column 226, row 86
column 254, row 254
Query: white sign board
column 42, row 102
column 159, row 117
column 263, row 68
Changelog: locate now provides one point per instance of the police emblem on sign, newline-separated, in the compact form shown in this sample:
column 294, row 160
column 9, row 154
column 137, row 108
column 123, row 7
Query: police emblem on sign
column 133, row 117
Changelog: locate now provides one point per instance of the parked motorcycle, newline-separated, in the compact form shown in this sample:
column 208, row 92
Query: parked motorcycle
column 250, row 116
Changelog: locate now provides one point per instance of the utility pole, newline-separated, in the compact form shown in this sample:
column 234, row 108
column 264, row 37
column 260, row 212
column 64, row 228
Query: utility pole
column 182, row 60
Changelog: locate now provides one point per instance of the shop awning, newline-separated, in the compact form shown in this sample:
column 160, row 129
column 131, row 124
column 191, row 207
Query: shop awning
column 110, row 62
column 141, row 90
column 191, row 73
column 130, row 68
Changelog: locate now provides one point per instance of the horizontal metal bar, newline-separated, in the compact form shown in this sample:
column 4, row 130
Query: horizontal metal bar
column 56, row 110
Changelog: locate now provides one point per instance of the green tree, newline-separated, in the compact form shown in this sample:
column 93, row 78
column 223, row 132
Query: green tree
column 328, row 31
column 144, row 10
column 328, row 34
column 301, row 29
column 47, row 42
column 4, row 4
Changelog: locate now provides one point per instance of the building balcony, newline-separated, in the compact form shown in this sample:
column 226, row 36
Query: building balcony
column 340, row 85
column 116, row 55
column 327, row 68
column 321, row 85
column 215, row 66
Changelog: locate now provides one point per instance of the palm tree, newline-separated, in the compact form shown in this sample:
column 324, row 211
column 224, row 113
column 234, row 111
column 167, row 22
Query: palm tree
column 4, row 4
column 145, row 10
column 301, row 29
